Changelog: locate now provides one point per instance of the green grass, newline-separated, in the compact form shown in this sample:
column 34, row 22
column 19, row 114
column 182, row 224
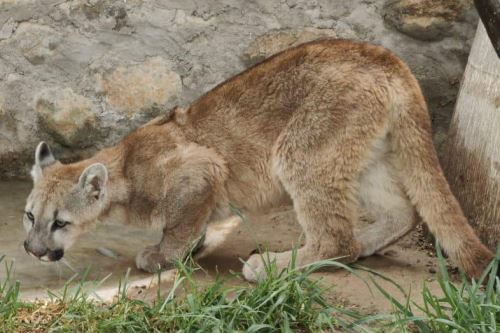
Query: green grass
column 287, row 301
column 468, row 307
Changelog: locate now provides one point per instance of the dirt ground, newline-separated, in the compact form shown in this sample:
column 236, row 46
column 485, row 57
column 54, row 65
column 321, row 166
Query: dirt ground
column 409, row 262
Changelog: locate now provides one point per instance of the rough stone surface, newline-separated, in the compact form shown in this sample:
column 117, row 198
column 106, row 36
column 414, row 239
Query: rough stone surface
column 427, row 20
column 112, row 65
column 278, row 40
column 66, row 116
column 147, row 86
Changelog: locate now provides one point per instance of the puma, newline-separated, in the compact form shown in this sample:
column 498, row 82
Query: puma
column 338, row 129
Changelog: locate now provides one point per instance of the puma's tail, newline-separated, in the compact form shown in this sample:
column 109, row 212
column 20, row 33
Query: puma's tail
column 425, row 183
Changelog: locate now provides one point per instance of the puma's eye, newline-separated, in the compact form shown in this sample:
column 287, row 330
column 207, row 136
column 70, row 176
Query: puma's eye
column 58, row 224
column 30, row 217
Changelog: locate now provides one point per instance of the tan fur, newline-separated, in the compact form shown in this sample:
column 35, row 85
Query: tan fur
column 336, row 128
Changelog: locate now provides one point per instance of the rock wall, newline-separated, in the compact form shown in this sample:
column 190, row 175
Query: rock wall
column 80, row 74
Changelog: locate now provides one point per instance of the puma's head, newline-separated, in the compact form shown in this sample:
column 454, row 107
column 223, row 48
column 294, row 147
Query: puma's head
column 65, row 200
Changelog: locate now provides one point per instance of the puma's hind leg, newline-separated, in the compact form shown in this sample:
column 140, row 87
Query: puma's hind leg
column 383, row 199
column 322, row 184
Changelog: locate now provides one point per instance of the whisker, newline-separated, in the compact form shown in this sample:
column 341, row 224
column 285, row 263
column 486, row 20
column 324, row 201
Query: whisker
column 66, row 262
column 59, row 271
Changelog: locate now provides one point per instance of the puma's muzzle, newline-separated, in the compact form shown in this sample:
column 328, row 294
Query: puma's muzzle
column 42, row 253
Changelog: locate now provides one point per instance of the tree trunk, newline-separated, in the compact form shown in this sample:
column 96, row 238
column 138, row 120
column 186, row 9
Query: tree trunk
column 472, row 161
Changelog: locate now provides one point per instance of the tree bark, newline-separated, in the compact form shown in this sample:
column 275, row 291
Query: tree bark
column 472, row 159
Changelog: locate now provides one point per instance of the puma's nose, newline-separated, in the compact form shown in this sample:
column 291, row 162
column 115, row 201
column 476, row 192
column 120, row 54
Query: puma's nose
column 37, row 251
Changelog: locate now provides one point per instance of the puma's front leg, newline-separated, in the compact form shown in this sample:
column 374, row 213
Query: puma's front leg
column 176, row 244
column 151, row 260
column 194, row 185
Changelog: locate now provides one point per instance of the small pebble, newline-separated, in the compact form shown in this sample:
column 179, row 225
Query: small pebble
column 106, row 252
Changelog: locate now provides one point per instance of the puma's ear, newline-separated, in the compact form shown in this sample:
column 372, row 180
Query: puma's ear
column 43, row 158
column 93, row 180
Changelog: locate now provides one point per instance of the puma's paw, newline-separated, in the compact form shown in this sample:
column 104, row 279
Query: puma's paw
column 254, row 269
column 151, row 260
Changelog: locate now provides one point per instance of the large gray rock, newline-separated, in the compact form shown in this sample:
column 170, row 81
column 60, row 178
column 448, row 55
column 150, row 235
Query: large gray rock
column 70, row 68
